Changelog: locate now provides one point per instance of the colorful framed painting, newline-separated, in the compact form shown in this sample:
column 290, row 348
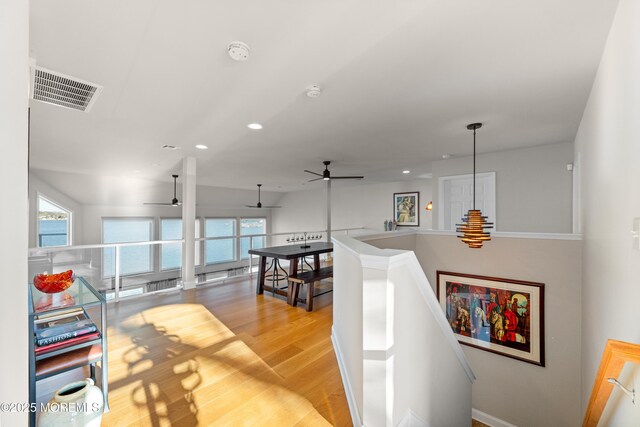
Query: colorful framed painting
column 405, row 209
column 502, row 316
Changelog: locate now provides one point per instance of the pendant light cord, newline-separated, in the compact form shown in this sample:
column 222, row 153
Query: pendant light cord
column 474, row 168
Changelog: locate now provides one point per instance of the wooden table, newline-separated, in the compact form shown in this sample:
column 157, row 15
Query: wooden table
column 293, row 253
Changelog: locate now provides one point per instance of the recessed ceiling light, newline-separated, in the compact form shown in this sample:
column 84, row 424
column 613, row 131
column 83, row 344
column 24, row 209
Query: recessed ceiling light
column 201, row 147
column 255, row 126
column 406, row 171
column 446, row 156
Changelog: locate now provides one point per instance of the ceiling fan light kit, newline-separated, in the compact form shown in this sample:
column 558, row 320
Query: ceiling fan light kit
column 474, row 227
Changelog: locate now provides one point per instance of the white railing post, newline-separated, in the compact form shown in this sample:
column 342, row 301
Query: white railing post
column 117, row 274
column 250, row 256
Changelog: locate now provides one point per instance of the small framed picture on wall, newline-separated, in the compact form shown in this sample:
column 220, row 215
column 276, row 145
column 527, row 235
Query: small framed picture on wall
column 405, row 209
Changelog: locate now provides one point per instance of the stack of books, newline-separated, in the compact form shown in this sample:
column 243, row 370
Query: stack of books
column 54, row 331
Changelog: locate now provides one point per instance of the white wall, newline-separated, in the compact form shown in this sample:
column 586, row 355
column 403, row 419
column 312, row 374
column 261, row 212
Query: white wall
column 363, row 205
column 395, row 349
column 517, row 392
column 14, row 216
column 608, row 142
column 38, row 187
column 533, row 186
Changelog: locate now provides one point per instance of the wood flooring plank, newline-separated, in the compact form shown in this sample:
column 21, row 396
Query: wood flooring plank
column 222, row 356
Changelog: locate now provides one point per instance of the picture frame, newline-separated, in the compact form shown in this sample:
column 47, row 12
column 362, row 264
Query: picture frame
column 502, row 316
column 406, row 209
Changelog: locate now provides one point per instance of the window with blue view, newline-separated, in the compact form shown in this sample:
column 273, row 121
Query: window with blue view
column 252, row 226
column 171, row 253
column 133, row 259
column 54, row 224
column 220, row 250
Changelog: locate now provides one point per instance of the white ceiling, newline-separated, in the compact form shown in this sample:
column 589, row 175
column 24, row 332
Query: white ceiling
column 401, row 79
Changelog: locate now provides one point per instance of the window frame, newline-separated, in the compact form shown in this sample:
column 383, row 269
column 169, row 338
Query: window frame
column 41, row 196
column 233, row 237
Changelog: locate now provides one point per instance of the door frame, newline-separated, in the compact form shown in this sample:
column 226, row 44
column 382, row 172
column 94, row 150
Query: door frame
column 443, row 179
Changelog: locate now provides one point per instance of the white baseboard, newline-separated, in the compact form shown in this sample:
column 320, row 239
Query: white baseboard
column 351, row 399
column 489, row 420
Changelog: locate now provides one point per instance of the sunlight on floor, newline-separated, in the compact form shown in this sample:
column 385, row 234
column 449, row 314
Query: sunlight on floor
column 182, row 366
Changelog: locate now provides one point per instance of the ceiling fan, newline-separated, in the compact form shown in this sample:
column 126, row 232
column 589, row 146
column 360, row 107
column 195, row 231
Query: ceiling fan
column 259, row 205
column 326, row 174
column 174, row 201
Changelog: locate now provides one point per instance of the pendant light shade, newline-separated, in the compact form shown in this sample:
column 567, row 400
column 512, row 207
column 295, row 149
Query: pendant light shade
column 474, row 228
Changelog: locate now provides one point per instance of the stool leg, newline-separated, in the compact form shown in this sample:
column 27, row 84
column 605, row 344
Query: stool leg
column 296, row 291
column 92, row 372
column 310, row 296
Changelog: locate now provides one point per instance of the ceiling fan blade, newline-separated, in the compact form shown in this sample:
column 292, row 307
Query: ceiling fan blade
column 317, row 179
column 272, row 207
column 314, row 173
column 158, row 204
column 347, row 177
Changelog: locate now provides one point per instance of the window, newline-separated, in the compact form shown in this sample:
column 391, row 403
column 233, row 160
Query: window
column 223, row 250
column 252, row 226
column 54, row 224
column 171, row 254
column 133, row 259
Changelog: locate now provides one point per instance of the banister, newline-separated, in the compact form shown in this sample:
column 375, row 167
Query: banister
column 614, row 357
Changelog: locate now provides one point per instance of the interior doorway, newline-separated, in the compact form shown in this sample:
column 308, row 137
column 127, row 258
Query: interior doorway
column 455, row 194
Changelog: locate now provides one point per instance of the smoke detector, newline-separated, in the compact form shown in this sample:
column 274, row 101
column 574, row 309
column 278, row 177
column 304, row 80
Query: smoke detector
column 238, row 51
column 314, row 91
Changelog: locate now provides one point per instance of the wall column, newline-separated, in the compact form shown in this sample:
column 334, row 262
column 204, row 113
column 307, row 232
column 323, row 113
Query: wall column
column 188, row 221
column 14, row 215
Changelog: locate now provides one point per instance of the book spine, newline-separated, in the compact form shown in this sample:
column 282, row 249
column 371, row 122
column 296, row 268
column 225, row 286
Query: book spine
column 66, row 336
column 67, row 343
column 56, row 316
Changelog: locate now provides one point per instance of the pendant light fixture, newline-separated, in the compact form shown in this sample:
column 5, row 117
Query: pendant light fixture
column 474, row 227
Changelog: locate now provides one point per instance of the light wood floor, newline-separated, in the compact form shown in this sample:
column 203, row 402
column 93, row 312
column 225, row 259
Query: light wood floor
column 221, row 355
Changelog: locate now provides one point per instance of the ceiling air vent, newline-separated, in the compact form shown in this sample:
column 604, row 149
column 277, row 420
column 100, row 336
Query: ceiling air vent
column 66, row 91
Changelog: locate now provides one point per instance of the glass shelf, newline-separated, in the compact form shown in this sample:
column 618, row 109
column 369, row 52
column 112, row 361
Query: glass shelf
column 79, row 294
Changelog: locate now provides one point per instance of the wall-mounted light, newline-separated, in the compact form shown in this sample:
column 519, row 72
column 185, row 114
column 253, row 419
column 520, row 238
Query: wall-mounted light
column 429, row 206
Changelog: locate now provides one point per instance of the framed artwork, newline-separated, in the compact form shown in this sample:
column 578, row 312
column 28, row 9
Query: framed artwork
column 405, row 209
column 502, row 316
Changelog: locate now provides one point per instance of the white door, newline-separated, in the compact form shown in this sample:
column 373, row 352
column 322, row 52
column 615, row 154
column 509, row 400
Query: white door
column 456, row 198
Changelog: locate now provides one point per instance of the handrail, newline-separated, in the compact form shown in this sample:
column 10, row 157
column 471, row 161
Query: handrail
column 614, row 357
column 36, row 251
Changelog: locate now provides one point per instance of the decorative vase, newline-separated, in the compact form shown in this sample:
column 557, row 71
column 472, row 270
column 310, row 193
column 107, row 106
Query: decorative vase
column 386, row 225
column 77, row 404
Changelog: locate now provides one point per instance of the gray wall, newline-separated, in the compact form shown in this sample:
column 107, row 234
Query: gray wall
column 533, row 186
column 517, row 392
column 608, row 145
column 362, row 205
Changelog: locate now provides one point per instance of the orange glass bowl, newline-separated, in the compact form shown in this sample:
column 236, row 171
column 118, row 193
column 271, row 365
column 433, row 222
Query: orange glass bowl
column 54, row 283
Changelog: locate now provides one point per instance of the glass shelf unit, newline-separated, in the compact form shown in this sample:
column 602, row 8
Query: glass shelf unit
column 79, row 296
